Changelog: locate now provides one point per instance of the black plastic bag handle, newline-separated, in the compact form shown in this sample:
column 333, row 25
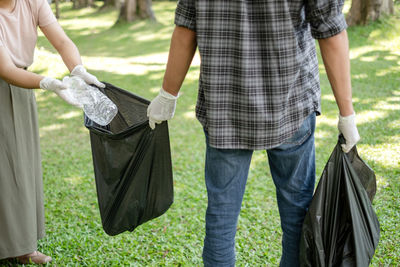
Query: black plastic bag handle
column 341, row 139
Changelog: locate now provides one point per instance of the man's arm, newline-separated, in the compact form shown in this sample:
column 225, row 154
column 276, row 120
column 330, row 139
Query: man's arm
column 181, row 52
column 335, row 54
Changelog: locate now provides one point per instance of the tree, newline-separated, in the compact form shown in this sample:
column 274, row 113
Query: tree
column 110, row 3
column 76, row 4
column 364, row 11
column 136, row 9
column 57, row 3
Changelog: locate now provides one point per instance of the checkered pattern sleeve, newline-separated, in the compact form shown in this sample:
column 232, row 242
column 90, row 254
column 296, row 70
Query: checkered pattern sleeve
column 325, row 17
column 185, row 14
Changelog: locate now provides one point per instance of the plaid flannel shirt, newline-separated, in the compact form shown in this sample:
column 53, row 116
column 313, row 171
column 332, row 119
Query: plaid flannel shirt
column 259, row 74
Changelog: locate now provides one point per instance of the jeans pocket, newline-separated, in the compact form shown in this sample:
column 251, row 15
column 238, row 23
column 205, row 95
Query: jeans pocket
column 303, row 133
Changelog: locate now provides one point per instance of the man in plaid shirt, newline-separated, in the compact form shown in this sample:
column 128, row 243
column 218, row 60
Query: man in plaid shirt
column 258, row 89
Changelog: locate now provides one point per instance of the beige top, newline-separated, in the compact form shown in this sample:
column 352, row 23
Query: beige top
column 18, row 29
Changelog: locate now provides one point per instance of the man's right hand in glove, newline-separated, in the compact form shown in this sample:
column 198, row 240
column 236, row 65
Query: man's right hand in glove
column 56, row 86
column 162, row 108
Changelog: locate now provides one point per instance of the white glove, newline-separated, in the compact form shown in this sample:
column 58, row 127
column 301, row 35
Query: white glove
column 81, row 72
column 56, row 86
column 162, row 108
column 347, row 126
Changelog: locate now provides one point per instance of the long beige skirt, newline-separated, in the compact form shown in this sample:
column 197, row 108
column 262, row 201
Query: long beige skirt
column 21, row 185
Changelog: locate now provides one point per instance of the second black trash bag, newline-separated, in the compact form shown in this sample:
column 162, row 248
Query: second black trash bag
column 341, row 227
column 132, row 164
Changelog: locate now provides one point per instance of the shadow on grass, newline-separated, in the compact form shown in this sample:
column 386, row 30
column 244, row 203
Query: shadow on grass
column 139, row 38
column 375, row 91
column 119, row 41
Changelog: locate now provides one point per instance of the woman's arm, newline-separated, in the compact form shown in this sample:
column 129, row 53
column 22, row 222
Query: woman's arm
column 25, row 79
column 29, row 80
column 63, row 44
column 69, row 53
column 17, row 76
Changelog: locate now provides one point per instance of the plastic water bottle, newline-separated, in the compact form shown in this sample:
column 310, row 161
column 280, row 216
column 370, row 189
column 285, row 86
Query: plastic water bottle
column 97, row 106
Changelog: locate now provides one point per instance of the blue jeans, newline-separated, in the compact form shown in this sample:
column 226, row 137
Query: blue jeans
column 292, row 166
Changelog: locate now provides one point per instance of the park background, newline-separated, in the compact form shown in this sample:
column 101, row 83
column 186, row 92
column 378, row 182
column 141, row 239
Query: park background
column 133, row 56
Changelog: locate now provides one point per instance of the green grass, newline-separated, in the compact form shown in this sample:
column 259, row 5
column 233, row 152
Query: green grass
column 133, row 57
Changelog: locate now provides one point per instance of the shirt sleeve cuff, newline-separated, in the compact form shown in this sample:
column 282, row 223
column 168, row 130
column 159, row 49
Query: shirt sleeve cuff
column 328, row 27
column 185, row 17
column 47, row 23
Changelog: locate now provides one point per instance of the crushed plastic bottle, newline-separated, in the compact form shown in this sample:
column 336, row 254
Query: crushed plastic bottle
column 96, row 105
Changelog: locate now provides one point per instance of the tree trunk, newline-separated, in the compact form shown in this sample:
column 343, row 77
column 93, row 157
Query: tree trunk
column 110, row 3
column 136, row 9
column 57, row 3
column 82, row 3
column 364, row 11
column 145, row 10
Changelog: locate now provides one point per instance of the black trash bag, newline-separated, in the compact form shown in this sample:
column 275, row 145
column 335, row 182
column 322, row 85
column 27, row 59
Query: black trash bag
column 341, row 227
column 132, row 164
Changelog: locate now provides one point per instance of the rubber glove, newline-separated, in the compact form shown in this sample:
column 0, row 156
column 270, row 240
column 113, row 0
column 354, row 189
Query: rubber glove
column 81, row 72
column 56, row 86
column 347, row 126
column 162, row 108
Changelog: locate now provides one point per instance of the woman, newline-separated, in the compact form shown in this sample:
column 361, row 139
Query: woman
column 21, row 190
